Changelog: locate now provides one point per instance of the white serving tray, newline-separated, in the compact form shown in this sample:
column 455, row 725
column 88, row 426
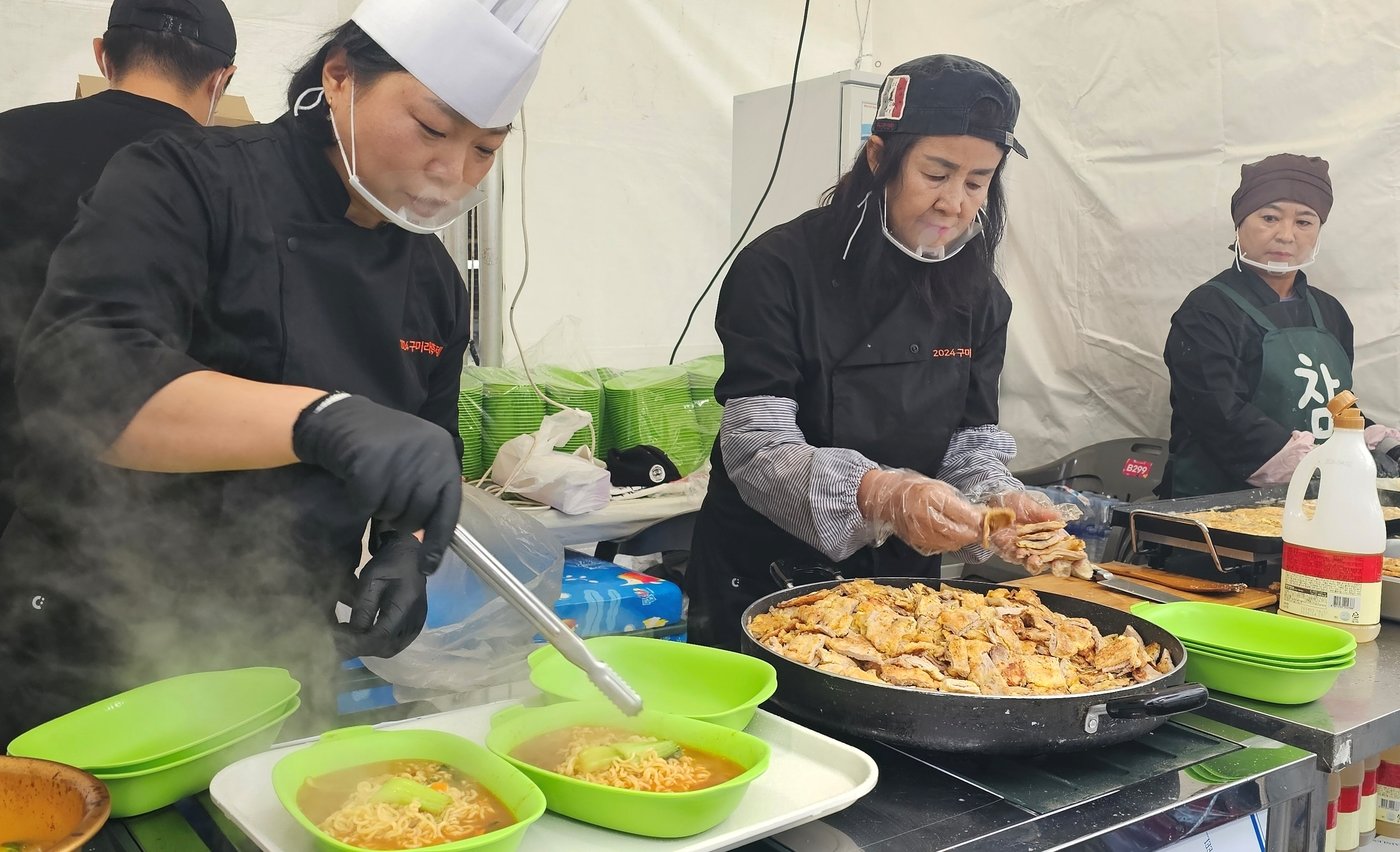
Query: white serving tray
column 809, row 776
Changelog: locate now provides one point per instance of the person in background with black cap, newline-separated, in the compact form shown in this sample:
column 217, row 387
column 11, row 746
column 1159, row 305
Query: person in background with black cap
column 863, row 346
column 168, row 63
column 1255, row 353
column 249, row 347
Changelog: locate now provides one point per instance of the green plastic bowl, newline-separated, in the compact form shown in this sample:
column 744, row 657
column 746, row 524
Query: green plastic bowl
column 1250, row 632
column 708, row 684
column 633, row 811
column 143, row 791
column 163, row 722
column 1332, row 662
column 1262, row 682
column 350, row 747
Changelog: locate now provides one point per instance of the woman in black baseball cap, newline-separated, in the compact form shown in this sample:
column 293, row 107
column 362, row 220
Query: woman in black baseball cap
column 863, row 347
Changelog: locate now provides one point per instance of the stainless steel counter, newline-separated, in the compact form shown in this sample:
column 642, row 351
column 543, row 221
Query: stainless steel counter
column 1358, row 718
column 921, row 803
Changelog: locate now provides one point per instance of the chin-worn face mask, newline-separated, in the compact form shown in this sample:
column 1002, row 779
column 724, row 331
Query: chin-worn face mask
column 214, row 99
column 1274, row 267
column 921, row 253
column 421, row 203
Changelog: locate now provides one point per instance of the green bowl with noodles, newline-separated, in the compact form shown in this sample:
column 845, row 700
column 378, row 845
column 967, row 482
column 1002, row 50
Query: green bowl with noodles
column 440, row 789
column 548, row 744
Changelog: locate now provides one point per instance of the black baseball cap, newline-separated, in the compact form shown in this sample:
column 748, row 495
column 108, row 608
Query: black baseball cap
column 641, row 466
column 205, row 22
column 938, row 95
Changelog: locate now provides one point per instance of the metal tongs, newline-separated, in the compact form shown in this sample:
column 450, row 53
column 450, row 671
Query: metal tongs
column 505, row 584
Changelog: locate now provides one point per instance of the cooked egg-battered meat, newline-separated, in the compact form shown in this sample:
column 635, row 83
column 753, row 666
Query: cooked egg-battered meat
column 905, row 676
column 954, row 640
column 856, row 647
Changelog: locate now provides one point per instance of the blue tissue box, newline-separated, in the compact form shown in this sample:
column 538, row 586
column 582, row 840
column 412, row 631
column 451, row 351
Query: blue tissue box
column 598, row 598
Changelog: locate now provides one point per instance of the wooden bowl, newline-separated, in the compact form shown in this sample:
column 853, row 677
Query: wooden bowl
column 52, row 804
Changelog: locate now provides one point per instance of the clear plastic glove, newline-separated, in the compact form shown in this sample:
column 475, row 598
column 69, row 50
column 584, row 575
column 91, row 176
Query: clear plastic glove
column 1376, row 433
column 390, row 602
column 928, row 515
column 399, row 468
column 1279, row 469
column 1030, row 507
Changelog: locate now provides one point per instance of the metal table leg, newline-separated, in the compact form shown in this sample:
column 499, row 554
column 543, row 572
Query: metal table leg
column 1299, row 824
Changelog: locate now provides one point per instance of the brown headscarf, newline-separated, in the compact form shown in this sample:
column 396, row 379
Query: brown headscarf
column 1283, row 177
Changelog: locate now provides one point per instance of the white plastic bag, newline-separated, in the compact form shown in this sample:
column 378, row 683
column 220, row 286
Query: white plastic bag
column 471, row 638
column 529, row 466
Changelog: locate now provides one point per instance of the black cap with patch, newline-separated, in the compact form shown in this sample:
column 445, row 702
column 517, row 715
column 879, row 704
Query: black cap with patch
column 205, row 22
column 641, row 466
column 946, row 95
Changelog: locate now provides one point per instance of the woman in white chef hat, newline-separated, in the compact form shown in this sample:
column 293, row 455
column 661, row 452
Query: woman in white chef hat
column 248, row 347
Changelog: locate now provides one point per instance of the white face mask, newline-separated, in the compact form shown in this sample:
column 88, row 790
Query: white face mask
column 431, row 209
column 1273, row 267
column 923, row 254
column 214, row 99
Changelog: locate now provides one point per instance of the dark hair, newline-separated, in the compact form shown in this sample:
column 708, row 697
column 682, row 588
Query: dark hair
column 368, row 62
column 184, row 60
column 973, row 267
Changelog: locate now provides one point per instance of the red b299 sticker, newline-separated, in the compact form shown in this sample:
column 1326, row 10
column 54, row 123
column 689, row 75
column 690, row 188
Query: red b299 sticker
column 1137, row 469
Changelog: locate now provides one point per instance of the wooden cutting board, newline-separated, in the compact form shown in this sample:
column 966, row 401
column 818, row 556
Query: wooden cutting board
column 1089, row 591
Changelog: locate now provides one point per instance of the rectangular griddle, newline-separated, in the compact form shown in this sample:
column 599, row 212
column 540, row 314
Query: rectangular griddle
column 1161, row 521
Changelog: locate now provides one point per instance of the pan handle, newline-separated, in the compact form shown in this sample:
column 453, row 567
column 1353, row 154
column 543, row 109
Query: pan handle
column 780, row 569
column 1168, row 701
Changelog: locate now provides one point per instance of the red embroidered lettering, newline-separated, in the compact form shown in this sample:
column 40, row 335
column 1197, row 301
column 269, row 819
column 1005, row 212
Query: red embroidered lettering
column 426, row 346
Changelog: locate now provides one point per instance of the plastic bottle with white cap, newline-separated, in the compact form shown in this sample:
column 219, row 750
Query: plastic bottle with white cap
column 1332, row 559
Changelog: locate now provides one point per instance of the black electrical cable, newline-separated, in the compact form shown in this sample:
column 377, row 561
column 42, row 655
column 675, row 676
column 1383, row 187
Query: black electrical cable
column 777, row 161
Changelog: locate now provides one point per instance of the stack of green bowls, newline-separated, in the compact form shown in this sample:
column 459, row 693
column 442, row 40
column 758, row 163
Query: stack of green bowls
column 652, row 406
column 161, row 742
column 510, row 408
column 704, row 374
column 574, row 390
column 1255, row 654
column 469, row 423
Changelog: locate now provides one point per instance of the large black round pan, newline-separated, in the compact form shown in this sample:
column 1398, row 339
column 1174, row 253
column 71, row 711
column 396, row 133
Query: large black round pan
column 982, row 723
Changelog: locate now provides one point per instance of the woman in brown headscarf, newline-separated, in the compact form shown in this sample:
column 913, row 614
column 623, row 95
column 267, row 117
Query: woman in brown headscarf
column 1255, row 353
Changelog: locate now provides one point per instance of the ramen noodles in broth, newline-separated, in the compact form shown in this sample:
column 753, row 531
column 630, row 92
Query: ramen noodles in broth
column 401, row 804
column 621, row 758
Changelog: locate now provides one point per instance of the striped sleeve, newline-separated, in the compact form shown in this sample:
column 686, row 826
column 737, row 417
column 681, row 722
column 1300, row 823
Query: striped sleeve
column 976, row 463
column 808, row 491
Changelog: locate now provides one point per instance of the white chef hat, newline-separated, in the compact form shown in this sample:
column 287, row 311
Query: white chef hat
column 478, row 56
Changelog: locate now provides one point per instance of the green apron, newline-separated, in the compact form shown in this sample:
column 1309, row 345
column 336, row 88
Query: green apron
column 1302, row 369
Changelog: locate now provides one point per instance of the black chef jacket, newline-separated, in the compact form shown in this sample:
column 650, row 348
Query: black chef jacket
column 879, row 363
column 1214, row 353
column 50, row 154
column 225, row 250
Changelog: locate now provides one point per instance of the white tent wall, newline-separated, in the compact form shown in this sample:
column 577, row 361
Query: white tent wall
column 1137, row 117
column 628, row 169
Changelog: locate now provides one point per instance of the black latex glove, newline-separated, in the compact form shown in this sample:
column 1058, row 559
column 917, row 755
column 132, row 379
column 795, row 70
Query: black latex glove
column 389, row 604
column 399, row 468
